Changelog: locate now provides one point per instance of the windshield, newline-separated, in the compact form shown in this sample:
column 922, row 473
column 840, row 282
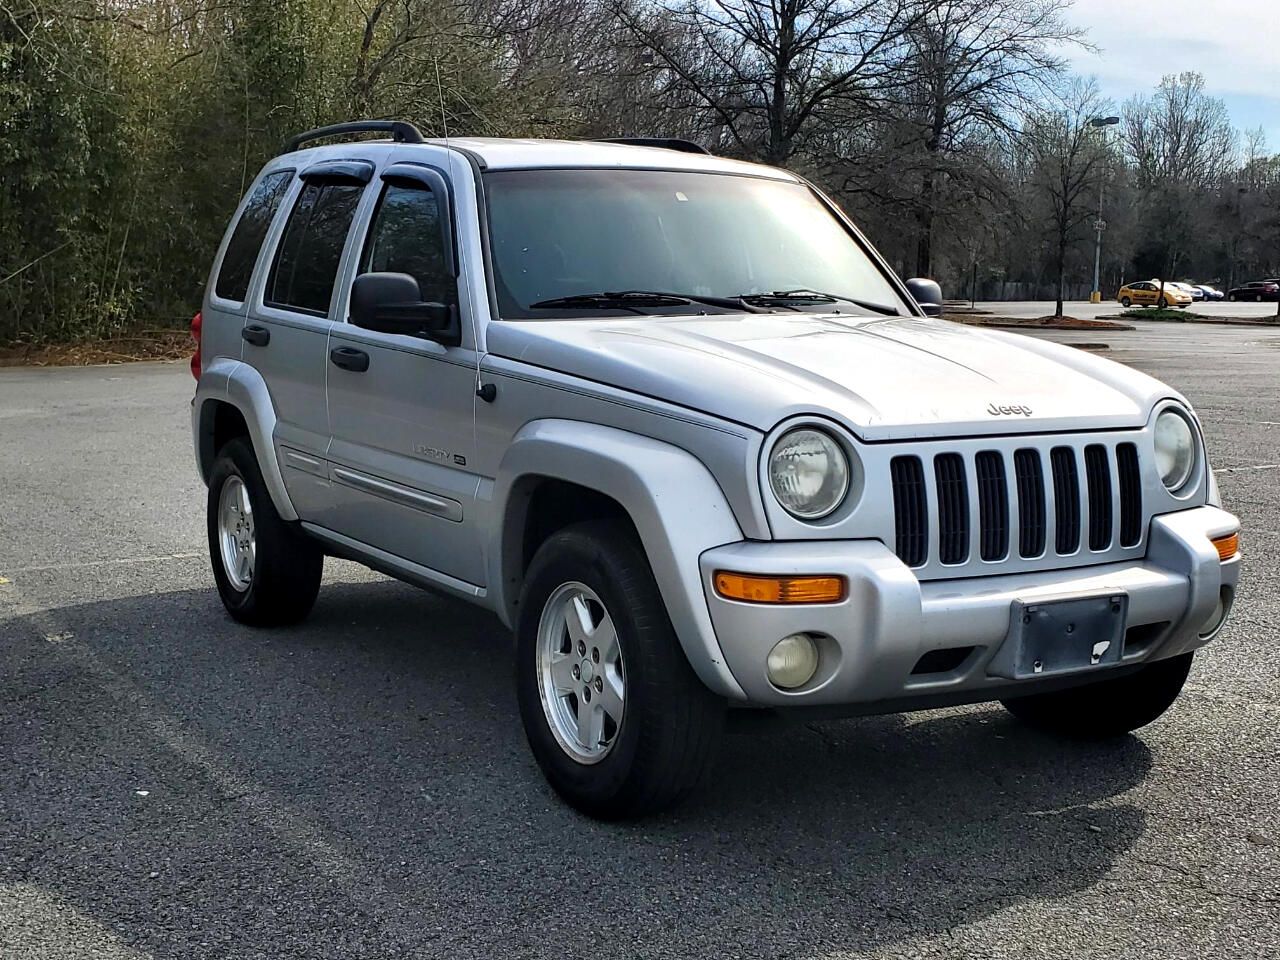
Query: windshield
column 584, row 232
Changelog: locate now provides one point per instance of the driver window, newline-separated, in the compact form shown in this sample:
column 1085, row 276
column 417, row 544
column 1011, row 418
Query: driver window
column 405, row 238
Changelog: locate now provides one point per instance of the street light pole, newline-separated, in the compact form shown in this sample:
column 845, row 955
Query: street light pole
column 1099, row 225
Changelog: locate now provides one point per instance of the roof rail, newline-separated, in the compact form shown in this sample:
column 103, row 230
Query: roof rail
column 400, row 130
column 666, row 143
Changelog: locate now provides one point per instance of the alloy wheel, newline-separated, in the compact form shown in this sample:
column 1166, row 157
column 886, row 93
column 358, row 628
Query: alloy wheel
column 581, row 679
column 236, row 540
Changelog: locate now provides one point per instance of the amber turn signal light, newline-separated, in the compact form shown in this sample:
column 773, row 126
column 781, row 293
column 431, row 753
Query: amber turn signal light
column 1228, row 546
column 752, row 588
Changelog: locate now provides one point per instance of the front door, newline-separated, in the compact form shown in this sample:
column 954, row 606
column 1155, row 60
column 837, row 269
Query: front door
column 401, row 407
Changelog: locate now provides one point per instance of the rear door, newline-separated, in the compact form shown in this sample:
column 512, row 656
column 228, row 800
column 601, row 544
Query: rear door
column 227, row 300
column 287, row 331
column 403, row 443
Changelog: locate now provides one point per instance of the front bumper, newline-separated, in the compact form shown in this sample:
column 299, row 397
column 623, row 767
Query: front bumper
column 872, row 643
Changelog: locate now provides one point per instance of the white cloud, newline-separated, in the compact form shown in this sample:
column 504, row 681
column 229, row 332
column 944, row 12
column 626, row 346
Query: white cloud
column 1234, row 43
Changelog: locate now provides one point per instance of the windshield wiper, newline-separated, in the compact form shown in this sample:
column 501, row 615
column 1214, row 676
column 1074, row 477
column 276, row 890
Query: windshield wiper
column 790, row 297
column 631, row 299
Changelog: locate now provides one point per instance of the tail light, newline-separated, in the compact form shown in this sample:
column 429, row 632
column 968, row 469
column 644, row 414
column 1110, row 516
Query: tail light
column 196, row 322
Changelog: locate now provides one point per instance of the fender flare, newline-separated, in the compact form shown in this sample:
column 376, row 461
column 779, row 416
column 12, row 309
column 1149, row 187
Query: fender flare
column 232, row 382
column 675, row 504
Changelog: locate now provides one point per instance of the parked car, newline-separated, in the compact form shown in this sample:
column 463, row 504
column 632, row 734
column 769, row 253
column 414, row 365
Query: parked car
column 1256, row 290
column 1210, row 293
column 1191, row 288
column 1152, row 293
column 681, row 428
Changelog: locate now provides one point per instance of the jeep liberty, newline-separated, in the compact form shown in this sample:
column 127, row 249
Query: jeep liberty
column 674, row 420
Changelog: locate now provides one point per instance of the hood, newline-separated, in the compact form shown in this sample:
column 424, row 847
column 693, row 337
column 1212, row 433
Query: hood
column 884, row 378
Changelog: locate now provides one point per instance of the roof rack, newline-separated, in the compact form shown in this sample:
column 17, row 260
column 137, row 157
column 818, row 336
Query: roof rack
column 400, row 130
column 666, row 143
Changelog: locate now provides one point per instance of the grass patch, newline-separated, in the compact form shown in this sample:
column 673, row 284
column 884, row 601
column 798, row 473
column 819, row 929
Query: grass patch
column 1161, row 313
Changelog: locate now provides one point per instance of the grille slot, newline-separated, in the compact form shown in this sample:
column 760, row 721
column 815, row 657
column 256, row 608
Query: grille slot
column 911, row 510
column 1097, row 468
column 953, row 508
column 1130, row 494
column 1066, row 500
column 1031, row 513
column 993, row 505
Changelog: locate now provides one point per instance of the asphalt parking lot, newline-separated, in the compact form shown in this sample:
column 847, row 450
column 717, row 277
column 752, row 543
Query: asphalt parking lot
column 1109, row 309
column 173, row 785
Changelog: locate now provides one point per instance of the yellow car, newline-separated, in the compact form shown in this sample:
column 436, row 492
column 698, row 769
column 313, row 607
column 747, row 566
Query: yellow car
column 1148, row 292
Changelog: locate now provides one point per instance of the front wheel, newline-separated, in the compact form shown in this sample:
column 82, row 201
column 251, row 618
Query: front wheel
column 1231, row 297
column 1126, row 302
column 1162, row 303
column 1106, row 708
column 268, row 574
column 615, row 716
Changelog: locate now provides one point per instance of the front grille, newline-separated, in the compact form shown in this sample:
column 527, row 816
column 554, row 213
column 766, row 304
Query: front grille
column 1028, row 503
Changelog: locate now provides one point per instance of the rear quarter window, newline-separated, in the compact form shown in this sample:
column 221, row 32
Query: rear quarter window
column 246, row 239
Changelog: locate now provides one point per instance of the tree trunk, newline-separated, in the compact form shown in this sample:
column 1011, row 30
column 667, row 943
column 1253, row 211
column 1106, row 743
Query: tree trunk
column 1061, row 265
column 924, row 244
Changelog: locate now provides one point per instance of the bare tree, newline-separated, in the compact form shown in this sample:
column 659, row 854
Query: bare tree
column 1181, row 144
column 765, row 71
column 976, row 65
column 1066, row 157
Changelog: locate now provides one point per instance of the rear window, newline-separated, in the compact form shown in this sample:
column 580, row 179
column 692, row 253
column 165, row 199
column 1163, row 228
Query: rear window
column 306, row 264
column 246, row 239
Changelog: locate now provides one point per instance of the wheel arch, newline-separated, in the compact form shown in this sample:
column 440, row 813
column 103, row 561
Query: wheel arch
column 667, row 495
column 232, row 400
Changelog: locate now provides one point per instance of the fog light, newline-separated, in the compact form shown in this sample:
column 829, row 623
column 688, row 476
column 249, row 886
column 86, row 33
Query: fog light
column 793, row 661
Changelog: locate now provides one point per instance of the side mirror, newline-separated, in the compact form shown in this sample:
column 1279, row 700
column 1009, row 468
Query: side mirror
column 928, row 294
column 392, row 303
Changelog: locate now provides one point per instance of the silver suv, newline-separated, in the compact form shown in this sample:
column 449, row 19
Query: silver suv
column 674, row 420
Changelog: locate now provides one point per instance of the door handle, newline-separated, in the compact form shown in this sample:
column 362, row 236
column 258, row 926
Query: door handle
column 349, row 358
column 258, row 336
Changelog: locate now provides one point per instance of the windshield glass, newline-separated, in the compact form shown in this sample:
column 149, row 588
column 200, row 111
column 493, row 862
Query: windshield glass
column 573, row 233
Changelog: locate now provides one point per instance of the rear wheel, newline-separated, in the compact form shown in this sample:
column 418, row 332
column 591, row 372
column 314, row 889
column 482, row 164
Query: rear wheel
column 1231, row 297
column 1258, row 298
column 615, row 716
column 267, row 573
column 1107, row 708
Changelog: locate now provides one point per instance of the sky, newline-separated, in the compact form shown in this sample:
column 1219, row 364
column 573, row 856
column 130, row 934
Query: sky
column 1235, row 44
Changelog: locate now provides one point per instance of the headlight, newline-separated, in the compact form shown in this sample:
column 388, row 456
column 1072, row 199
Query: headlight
column 809, row 473
column 1175, row 450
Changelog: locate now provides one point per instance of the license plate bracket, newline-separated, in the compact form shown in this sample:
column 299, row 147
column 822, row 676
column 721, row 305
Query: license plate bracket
column 1062, row 635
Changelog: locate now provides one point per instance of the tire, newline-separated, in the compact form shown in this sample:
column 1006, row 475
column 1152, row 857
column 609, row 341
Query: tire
column 1231, row 297
column 1258, row 298
column 279, row 583
column 656, row 752
column 1162, row 303
column 1107, row 708
column 1126, row 302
